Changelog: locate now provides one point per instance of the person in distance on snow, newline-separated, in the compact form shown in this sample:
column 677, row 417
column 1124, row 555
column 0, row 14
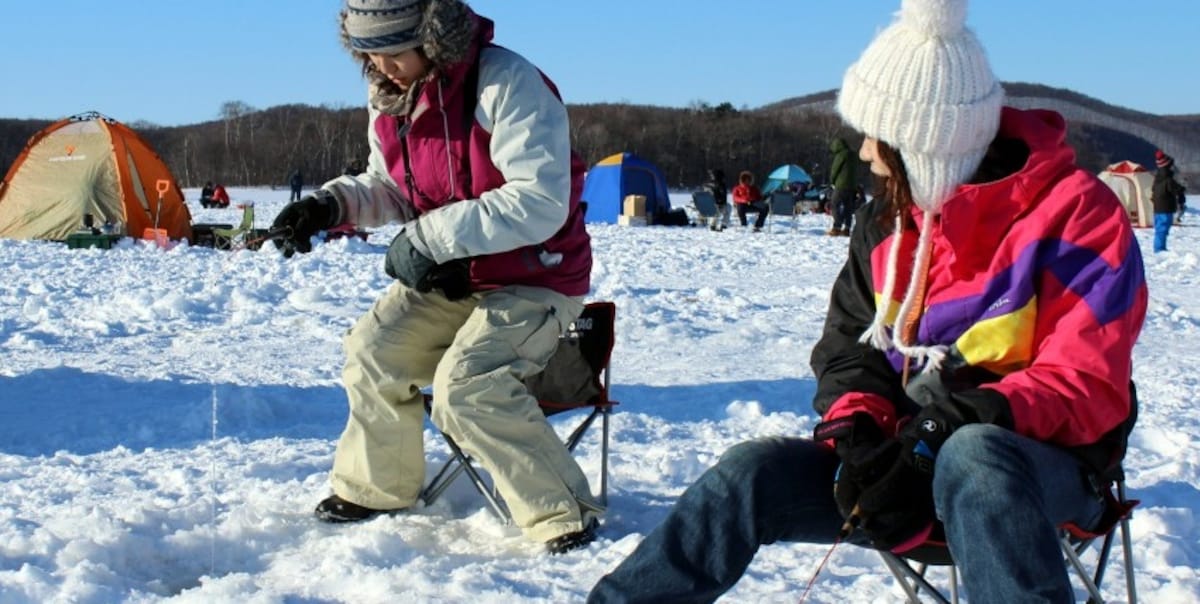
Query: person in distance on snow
column 715, row 185
column 1166, row 193
column 220, row 197
column 206, row 195
column 841, row 176
column 470, row 149
column 975, row 363
column 748, row 198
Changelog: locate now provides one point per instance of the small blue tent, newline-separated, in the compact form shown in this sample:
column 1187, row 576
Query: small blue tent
column 618, row 175
column 784, row 176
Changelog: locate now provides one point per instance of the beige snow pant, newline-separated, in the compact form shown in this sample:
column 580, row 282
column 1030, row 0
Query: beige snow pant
column 475, row 352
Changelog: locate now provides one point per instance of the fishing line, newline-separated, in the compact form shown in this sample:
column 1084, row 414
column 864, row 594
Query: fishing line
column 212, row 489
column 820, row 567
column 847, row 528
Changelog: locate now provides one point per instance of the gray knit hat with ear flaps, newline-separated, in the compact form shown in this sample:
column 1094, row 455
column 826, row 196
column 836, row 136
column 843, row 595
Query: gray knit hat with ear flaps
column 442, row 29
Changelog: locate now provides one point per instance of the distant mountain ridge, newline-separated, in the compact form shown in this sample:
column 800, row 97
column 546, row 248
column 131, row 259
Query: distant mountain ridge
column 1178, row 135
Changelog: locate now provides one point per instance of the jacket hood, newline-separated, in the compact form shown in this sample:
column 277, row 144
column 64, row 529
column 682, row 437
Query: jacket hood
column 979, row 210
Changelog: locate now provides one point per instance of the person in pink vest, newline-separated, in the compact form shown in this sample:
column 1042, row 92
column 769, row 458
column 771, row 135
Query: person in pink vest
column 470, row 150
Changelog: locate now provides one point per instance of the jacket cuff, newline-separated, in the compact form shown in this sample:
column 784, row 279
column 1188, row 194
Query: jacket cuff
column 878, row 407
column 416, row 237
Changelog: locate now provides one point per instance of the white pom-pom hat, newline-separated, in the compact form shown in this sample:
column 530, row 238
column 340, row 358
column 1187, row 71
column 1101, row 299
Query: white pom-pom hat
column 924, row 87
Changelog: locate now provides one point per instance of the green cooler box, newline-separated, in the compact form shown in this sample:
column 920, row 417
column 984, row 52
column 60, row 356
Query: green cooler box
column 103, row 241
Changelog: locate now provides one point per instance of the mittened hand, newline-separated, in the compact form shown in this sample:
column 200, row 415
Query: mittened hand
column 890, row 498
column 864, row 452
column 896, row 507
column 453, row 278
column 300, row 220
column 923, row 436
column 862, row 468
column 406, row 264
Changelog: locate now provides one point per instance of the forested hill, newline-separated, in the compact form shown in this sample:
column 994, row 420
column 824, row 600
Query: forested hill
column 249, row 146
column 1102, row 133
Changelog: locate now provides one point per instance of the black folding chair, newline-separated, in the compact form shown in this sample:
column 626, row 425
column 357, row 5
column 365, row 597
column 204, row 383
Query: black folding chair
column 575, row 379
column 782, row 203
column 705, row 205
column 910, row 570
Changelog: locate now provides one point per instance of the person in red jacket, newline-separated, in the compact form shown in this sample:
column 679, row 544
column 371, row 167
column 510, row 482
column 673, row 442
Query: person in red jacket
column 748, row 198
column 974, row 373
column 220, row 198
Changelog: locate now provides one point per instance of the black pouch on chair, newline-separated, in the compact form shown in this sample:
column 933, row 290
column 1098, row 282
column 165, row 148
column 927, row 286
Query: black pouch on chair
column 567, row 378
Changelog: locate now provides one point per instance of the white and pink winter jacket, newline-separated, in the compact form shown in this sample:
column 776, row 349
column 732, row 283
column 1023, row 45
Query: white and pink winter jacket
column 503, row 191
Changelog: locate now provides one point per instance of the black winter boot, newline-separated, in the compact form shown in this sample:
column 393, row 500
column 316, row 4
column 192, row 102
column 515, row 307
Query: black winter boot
column 337, row 510
column 573, row 541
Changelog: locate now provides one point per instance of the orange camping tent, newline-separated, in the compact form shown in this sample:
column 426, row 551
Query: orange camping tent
column 89, row 164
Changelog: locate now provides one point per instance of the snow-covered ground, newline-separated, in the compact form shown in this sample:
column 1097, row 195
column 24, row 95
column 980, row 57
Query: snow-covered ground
column 168, row 418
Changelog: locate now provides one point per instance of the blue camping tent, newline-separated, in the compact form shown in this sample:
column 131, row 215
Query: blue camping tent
column 618, row 175
column 785, row 175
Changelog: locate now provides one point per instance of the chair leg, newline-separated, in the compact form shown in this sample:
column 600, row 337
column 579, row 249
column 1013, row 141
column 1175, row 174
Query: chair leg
column 576, row 435
column 954, row 584
column 441, row 481
column 911, row 580
column 1101, row 560
column 1073, row 557
column 1093, row 584
column 439, row 484
column 604, row 423
column 1127, row 547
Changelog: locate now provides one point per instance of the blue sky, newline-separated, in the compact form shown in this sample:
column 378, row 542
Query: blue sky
column 174, row 63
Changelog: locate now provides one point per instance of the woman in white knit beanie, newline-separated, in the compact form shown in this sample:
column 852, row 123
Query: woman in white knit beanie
column 974, row 374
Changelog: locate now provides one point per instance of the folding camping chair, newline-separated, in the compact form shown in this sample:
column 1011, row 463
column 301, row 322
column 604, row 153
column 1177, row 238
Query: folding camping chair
column 782, row 203
column 576, row 378
column 705, row 205
column 223, row 238
column 910, row 571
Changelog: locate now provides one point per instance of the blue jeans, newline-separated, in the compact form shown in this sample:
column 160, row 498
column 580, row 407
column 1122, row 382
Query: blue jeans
column 781, row 489
column 1162, row 227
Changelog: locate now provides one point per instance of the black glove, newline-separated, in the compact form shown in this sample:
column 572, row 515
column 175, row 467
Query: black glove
column 923, row 436
column 898, row 505
column 453, row 278
column 405, row 263
column 876, row 488
column 948, row 399
column 866, row 455
column 297, row 222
